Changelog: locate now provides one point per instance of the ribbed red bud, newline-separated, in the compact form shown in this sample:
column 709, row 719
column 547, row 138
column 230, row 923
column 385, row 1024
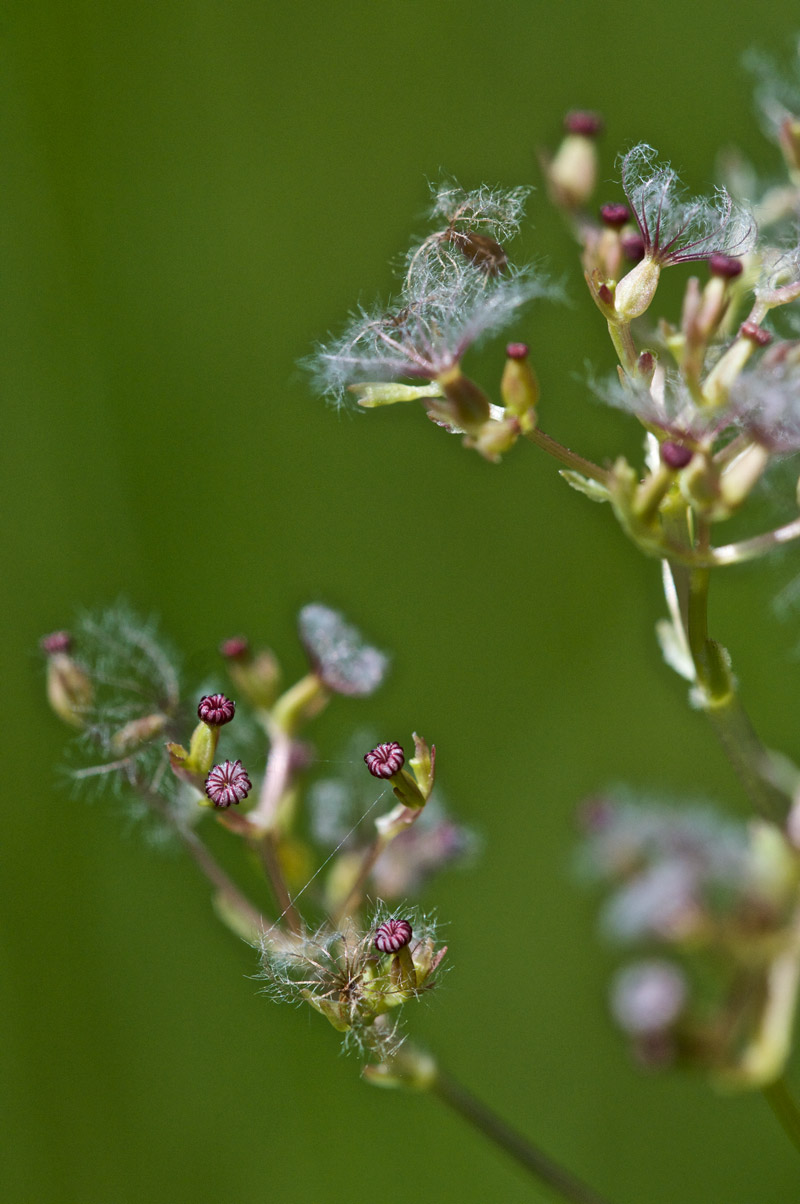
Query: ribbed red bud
column 386, row 760
column 216, row 710
column 751, row 330
column 392, row 935
column 615, row 215
column 675, row 455
column 581, row 121
column 725, row 266
column 227, row 784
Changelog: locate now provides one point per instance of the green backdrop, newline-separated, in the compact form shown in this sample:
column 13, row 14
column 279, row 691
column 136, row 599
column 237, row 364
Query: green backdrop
column 193, row 192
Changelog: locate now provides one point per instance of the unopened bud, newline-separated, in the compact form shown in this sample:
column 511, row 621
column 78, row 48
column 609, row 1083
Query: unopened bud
column 615, row 215
column 519, row 387
column 632, row 245
column 137, row 732
column 256, row 676
column 789, row 139
column 636, row 290
column 468, row 403
column 572, row 173
column 69, row 689
column 675, row 455
column 725, row 265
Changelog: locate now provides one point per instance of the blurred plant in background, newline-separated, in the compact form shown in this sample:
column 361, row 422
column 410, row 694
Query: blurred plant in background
column 709, row 907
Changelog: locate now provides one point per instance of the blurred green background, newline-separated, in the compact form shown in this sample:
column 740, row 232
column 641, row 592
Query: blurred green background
column 193, row 193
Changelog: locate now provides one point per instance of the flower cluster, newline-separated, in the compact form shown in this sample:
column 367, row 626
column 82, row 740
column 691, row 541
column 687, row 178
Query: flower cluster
column 458, row 288
column 357, row 978
column 717, row 900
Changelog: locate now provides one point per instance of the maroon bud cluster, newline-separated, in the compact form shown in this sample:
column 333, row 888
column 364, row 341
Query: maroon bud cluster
column 581, row 121
column 386, row 760
column 615, row 215
column 57, row 641
column 216, row 710
column 227, row 784
column 675, row 455
column 392, row 935
column 725, row 266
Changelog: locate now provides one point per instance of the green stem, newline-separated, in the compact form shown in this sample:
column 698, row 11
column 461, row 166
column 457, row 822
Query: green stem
column 622, row 338
column 487, row 1122
column 785, row 1108
column 727, row 716
column 569, row 458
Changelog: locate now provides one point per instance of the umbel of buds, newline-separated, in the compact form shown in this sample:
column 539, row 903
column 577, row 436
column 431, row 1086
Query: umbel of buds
column 386, row 760
column 227, row 784
column 216, row 710
column 213, row 711
column 392, row 935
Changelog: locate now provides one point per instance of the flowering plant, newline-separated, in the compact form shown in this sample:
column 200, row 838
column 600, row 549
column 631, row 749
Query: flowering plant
column 710, row 908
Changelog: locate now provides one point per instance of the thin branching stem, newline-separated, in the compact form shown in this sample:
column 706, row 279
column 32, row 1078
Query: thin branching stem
column 569, row 459
column 785, row 1108
column 559, row 1180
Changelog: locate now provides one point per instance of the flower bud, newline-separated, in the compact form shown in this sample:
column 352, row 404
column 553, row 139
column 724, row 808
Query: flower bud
column 137, row 732
column 519, row 387
column 468, row 403
column 636, row 290
column 789, row 140
column 69, row 689
column 257, row 676
column 572, row 173
column 386, row 760
column 227, row 784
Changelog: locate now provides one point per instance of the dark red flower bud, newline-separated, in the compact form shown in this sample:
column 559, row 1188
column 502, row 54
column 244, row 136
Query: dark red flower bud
column 392, row 935
column 517, row 351
column 57, row 641
column 632, row 247
column 228, row 783
column 615, row 215
column 725, row 266
column 235, row 649
column 581, row 121
column 675, row 455
column 216, row 710
column 386, row 760
column 750, row 330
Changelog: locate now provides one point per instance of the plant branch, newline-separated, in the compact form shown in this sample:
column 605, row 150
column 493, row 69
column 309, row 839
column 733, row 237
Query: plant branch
column 569, row 459
column 487, row 1122
column 785, row 1108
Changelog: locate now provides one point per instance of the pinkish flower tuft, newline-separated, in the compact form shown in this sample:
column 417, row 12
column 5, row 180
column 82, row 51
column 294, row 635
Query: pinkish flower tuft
column 675, row 455
column 228, row 783
column 235, row 649
column 392, row 935
column 216, row 710
column 57, row 641
column 581, row 121
column 386, row 760
column 517, row 351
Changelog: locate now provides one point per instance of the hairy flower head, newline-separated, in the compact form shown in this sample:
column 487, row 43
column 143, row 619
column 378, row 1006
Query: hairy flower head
column 677, row 228
column 427, row 332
